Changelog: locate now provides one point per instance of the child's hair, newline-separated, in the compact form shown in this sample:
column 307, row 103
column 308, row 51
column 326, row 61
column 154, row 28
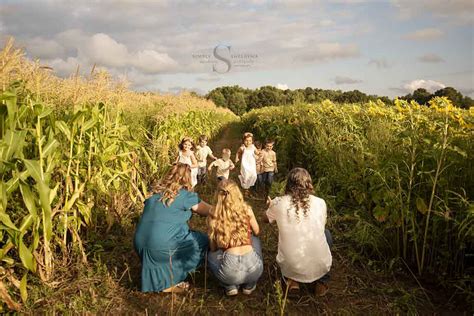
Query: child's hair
column 202, row 138
column 178, row 177
column 226, row 151
column 186, row 139
column 228, row 221
column 257, row 144
column 247, row 135
column 299, row 186
column 269, row 141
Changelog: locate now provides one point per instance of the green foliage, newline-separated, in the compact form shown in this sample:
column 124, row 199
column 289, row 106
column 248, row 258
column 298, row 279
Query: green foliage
column 61, row 170
column 395, row 173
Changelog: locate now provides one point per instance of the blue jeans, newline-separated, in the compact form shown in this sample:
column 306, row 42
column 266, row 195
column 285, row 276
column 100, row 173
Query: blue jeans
column 267, row 178
column 325, row 278
column 235, row 270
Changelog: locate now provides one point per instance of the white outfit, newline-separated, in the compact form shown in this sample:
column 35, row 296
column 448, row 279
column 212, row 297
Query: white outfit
column 194, row 171
column 303, row 252
column 248, row 167
column 201, row 155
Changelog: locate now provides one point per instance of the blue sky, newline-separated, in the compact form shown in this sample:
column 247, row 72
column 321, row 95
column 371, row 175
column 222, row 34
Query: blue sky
column 386, row 47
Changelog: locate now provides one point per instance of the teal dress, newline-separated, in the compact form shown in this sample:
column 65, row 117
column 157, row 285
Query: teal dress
column 168, row 249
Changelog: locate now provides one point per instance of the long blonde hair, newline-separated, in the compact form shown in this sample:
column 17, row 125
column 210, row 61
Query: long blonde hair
column 178, row 177
column 228, row 222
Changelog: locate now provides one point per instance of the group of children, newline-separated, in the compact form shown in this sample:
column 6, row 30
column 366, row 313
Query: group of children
column 235, row 254
column 257, row 165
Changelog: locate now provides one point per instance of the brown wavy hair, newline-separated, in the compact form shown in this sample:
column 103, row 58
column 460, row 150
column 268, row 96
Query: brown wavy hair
column 299, row 186
column 178, row 177
column 187, row 139
column 228, row 222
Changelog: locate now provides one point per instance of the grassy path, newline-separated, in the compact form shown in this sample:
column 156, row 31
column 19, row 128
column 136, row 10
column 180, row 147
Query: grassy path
column 110, row 285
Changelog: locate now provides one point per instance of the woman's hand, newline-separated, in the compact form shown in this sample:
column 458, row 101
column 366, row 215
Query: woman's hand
column 202, row 208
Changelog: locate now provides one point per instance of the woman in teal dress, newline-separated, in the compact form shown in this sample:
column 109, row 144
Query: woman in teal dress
column 168, row 249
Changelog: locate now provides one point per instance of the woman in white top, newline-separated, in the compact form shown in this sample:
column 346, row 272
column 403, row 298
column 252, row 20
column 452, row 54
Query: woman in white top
column 303, row 250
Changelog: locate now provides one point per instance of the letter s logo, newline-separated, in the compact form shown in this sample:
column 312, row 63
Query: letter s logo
column 225, row 60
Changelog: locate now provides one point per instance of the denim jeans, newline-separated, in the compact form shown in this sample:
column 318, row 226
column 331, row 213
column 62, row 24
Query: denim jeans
column 267, row 178
column 233, row 270
column 202, row 174
column 325, row 278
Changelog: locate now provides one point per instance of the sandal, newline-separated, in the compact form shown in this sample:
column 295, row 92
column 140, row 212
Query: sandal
column 293, row 286
column 178, row 288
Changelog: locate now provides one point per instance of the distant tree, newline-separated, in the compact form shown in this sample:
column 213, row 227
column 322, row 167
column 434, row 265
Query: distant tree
column 467, row 102
column 452, row 94
column 217, row 97
column 421, row 96
column 354, row 96
column 236, row 103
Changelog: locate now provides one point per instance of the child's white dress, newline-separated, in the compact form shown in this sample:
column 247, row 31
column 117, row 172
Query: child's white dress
column 248, row 168
column 194, row 171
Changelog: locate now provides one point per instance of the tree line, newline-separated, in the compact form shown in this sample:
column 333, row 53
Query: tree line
column 240, row 100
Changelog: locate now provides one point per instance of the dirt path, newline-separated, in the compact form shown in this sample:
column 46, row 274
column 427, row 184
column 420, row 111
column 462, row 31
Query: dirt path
column 111, row 284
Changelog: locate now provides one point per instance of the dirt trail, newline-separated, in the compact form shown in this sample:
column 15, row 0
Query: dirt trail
column 354, row 289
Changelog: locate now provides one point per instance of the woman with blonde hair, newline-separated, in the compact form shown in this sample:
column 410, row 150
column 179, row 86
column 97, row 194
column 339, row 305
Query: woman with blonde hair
column 168, row 249
column 235, row 255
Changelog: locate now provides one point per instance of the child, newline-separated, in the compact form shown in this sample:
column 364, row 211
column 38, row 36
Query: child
column 202, row 151
column 186, row 156
column 303, row 243
column 235, row 256
column 269, row 165
column 224, row 165
column 248, row 166
column 258, row 160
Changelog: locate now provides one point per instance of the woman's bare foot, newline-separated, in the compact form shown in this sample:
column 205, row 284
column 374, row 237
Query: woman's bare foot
column 178, row 288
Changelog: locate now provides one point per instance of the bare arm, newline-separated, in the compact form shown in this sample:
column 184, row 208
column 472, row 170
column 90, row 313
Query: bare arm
column 264, row 216
column 212, row 245
column 202, row 208
column 253, row 222
column 237, row 155
column 194, row 162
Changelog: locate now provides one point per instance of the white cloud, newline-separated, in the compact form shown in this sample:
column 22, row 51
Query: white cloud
column 64, row 68
column 327, row 51
column 458, row 11
column 430, row 58
column 429, row 85
column 282, row 86
column 345, row 80
column 44, row 48
column 150, row 61
column 424, row 34
column 379, row 63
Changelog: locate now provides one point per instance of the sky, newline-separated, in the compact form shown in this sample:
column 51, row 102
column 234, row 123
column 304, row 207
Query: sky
column 383, row 47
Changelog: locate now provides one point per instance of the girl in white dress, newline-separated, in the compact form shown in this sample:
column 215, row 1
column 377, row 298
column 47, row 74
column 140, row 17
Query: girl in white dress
column 304, row 253
column 186, row 156
column 248, row 167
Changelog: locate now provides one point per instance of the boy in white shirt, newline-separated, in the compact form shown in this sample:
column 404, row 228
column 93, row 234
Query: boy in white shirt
column 202, row 152
column 224, row 165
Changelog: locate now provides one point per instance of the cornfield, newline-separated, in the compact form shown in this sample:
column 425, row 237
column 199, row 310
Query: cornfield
column 400, row 179
column 72, row 152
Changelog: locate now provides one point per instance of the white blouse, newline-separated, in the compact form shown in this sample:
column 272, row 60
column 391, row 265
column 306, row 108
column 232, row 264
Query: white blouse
column 303, row 252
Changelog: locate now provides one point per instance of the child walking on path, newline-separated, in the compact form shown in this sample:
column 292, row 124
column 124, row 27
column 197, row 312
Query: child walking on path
column 269, row 165
column 235, row 256
column 258, row 160
column 202, row 152
column 303, row 243
column 248, row 165
column 224, row 165
column 186, row 156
